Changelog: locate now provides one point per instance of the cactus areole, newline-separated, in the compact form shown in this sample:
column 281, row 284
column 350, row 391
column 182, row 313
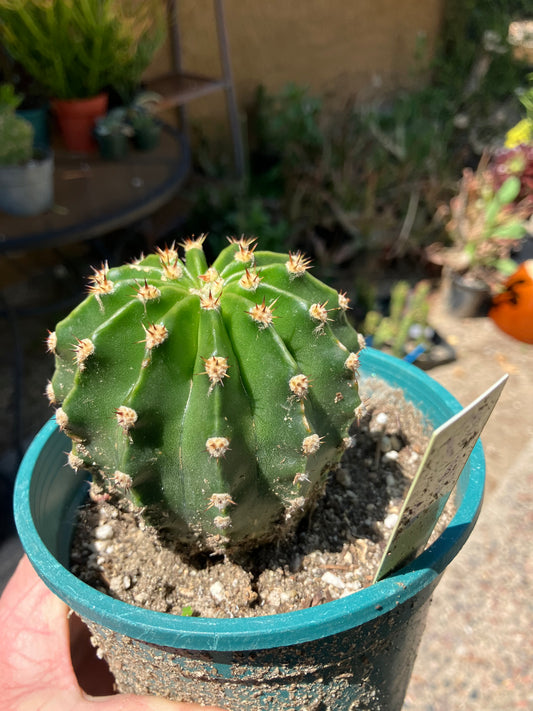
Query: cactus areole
column 214, row 398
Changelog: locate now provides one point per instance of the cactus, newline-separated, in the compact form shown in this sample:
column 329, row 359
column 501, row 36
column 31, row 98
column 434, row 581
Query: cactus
column 407, row 308
column 16, row 134
column 217, row 398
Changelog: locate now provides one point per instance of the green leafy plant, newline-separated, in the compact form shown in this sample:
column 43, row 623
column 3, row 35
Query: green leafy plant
column 9, row 99
column 287, row 124
column 484, row 224
column 75, row 48
column 355, row 173
column 16, row 134
column 516, row 158
column 216, row 398
column 475, row 66
column 366, row 178
column 236, row 209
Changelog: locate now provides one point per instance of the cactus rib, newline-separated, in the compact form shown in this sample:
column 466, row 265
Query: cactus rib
column 216, row 398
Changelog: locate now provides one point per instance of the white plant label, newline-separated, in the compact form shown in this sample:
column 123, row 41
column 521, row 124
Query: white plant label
column 449, row 447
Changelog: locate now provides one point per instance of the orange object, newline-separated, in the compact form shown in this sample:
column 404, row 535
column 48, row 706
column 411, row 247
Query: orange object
column 76, row 119
column 512, row 310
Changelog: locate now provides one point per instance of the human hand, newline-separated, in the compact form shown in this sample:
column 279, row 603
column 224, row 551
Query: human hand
column 36, row 670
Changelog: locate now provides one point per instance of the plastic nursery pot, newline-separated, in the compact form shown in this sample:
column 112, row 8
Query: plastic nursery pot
column 112, row 146
column 468, row 299
column 147, row 138
column 28, row 189
column 355, row 652
column 77, row 118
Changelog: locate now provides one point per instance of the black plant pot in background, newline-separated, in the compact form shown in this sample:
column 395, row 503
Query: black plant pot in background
column 467, row 298
column 112, row 146
column 147, row 138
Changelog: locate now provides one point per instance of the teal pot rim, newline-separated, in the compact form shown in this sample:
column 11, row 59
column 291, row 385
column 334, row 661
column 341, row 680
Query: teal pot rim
column 279, row 630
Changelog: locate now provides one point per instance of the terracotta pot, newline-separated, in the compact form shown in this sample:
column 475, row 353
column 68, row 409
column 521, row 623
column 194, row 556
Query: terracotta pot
column 76, row 119
column 512, row 310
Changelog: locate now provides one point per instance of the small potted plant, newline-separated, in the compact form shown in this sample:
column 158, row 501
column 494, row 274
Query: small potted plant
column 405, row 330
column 78, row 50
column 113, row 133
column 26, row 173
column 211, row 402
column 35, row 105
column 516, row 157
column 512, row 308
column 146, row 127
column 484, row 223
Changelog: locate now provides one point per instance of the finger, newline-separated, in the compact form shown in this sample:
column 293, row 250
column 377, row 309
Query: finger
column 35, row 664
column 92, row 673
column 34, row 633
column 35, row 668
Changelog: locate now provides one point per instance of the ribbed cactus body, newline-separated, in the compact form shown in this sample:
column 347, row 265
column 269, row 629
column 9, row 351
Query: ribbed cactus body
column 216, row 397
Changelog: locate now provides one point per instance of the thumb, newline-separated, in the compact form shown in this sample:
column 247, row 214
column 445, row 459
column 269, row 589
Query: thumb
column 35, row 663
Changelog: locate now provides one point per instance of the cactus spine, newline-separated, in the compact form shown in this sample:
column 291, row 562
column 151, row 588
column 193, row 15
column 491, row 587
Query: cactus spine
column 217, row 398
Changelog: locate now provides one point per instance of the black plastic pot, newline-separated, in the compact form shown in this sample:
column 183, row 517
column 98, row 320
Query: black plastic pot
column 112, row 146
column 467, row 298
column 147, row 137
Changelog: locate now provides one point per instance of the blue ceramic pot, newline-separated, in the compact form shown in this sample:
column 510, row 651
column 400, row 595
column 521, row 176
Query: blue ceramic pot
column 356, row 652
column 39, row 119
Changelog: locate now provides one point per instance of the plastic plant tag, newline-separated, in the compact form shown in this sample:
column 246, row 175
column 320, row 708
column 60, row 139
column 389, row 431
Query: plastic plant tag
column 449, row 447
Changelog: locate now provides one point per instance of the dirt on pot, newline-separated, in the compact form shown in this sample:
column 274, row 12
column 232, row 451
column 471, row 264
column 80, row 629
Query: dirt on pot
column 335, row 551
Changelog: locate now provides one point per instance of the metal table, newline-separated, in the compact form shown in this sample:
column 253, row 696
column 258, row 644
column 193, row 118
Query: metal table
column 94, row 197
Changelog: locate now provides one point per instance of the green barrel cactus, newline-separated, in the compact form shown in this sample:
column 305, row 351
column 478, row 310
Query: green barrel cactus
column 215, row 398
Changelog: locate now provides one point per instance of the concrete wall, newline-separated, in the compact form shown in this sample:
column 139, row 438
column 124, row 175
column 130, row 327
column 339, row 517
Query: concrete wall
column 340, row 48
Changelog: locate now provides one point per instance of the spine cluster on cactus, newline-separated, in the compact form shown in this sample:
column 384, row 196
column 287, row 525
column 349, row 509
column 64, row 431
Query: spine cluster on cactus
column 216, row 398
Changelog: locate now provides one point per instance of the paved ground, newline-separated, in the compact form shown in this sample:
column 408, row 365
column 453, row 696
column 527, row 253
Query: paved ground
column 477, row 653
